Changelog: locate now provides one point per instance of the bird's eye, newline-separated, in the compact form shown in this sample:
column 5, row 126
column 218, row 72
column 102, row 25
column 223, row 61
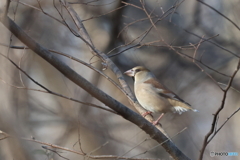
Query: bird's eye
column 137, row 70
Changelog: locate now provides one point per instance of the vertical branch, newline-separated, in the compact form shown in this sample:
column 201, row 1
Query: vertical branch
column 216, row 115
column 7, row 7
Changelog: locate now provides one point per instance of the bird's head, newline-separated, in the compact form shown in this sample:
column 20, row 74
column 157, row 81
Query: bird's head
column 139, row 72
column 136, row 70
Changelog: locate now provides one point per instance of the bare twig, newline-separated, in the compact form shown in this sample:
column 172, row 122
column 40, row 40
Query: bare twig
column 82, row 62
column 129, row 4
column 6, row 8
column 220, row 14
column 131, row 23
column 228, row 118
column 115, row 54
column 20, row 75
column 48, row 90
column 79, row 140
column 207, row 140
column 219, row 46
column 194, row 61
column 104, row 13
column 96, row 149
column 94, row 5
column 160, row 143
column 37, row 9
column 53, row 146
column 45, row 147
column 230, row 87
column 91, row 67
column 146, row 139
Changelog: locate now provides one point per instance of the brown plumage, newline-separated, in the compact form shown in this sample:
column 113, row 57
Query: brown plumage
column 154, row 96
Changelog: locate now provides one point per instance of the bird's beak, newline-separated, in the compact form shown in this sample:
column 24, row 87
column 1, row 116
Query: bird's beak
column 130, row 73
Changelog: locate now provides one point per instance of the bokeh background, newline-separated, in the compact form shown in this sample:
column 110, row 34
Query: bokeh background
column 113, row 26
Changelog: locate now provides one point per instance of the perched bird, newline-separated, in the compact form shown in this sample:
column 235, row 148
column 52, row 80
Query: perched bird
column 154, row 96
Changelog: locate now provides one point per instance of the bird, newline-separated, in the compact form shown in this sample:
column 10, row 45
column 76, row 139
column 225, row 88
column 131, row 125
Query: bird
column 154, row 96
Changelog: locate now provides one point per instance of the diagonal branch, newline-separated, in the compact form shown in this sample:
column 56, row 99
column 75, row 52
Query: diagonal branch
column 106, row 62
column 95, row 92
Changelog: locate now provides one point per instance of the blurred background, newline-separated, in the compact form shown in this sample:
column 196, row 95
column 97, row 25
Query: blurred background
column 115, row 25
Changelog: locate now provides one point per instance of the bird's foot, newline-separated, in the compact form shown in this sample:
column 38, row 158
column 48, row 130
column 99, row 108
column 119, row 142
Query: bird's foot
column 146, row 113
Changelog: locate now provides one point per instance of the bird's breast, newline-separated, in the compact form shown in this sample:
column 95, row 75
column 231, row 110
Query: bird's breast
column 149, row 98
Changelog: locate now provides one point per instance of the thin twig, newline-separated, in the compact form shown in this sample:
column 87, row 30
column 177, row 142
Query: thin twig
column 215, row 117
column 228, row 118
column 94, row 5
column 160, row 143
column 104, row 13
column 48, row 90
column 220, row 14
column 219, row 46
column 45, row 147
column 73, row 151
column 194, row 61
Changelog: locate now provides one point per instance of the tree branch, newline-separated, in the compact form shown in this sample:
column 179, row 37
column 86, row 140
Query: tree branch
column 95, row 92
column 107, row 61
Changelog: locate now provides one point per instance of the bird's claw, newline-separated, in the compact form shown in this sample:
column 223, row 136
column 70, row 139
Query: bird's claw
column 146, row 113
column 156, row 122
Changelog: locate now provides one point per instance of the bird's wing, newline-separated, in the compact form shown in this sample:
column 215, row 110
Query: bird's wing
column 164, row 91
